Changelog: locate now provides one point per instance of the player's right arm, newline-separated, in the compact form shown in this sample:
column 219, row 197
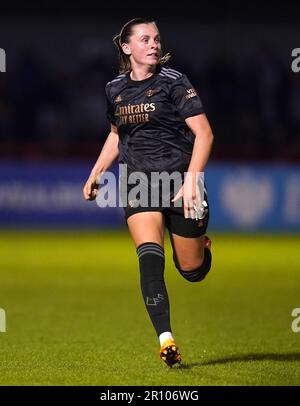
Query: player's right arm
column 108, row 155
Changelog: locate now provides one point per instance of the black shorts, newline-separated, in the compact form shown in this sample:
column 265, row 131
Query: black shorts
column 174, row 217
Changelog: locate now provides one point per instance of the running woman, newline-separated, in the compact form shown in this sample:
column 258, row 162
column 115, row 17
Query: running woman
column 158, row 125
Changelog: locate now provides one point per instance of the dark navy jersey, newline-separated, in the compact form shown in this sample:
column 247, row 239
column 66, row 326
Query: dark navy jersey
column 150, row 117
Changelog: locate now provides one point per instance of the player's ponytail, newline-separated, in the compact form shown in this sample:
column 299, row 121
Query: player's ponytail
column 124, row 37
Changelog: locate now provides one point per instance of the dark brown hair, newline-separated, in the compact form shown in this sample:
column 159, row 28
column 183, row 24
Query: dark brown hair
column 124, row 37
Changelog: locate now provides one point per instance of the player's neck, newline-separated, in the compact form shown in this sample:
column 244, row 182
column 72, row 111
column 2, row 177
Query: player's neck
column 142, row 72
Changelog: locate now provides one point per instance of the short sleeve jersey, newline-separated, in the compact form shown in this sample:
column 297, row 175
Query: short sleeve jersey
column 150, row 117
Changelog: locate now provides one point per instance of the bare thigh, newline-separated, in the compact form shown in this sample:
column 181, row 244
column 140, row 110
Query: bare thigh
column 188, row 251
column 147, row 227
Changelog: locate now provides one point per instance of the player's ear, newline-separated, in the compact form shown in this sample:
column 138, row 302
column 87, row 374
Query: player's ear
column 126, row 49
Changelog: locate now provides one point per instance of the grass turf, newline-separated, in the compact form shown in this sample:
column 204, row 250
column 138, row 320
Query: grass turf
column 75, row 315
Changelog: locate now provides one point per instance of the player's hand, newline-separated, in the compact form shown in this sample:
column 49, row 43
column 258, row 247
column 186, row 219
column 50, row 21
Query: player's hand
column 192, row 201
column 90, row 188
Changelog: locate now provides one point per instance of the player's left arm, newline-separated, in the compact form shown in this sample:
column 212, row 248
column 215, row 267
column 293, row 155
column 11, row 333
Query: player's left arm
column 203, row 142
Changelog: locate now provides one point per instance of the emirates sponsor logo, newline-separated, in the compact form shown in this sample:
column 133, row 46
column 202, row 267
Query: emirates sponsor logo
column 135, row 113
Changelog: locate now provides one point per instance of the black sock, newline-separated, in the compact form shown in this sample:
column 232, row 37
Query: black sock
column 198, row 274
column 152, row 264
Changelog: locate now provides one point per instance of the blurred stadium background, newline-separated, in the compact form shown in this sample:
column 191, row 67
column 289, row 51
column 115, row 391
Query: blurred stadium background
column 52, row 126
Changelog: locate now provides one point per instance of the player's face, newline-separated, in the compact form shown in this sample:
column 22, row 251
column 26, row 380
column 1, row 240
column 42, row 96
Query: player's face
column 144, row 45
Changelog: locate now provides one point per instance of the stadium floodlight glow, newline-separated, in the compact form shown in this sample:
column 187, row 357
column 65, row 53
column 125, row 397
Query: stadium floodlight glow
column 2, row 321
column 2, row 60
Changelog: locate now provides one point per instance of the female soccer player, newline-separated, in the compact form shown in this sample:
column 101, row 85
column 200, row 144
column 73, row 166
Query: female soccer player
column 158, row 125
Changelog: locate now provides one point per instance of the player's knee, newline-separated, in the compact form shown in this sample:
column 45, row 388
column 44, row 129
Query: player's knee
column 196, row 274
column 187, row 266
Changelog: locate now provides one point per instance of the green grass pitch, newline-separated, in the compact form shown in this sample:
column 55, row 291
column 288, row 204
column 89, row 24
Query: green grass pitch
column 75, row 315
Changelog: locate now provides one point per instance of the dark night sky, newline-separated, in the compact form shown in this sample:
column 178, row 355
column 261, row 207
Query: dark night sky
column 184, row 9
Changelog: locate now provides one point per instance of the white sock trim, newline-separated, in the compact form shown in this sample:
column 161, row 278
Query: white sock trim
column 164, row 336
